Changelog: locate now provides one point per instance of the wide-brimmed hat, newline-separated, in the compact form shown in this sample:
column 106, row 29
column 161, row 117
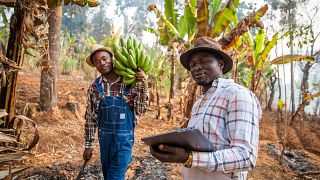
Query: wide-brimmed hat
column 207, row 44
column 94, row 48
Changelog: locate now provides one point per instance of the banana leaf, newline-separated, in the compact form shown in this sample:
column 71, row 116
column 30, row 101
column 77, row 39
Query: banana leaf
column 266, row 51
column 214, row 6
column 4, row 174
column 250, row 49
column 170, row 12
column 190, row 19
column 151, row 30
column 312, row 96
column 91, row 41
column 223, row 18
column 170, row 28
column 202, row 17
column 182, row 26
column 3, row 113
column 16, row 156
column 290, row 58
column 258, row 43
column 221, row 21
column 7, row 138
column 24, row 120
column 252, row 20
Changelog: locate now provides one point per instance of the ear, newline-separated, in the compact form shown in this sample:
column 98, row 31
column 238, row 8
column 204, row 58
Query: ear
column 221, row 64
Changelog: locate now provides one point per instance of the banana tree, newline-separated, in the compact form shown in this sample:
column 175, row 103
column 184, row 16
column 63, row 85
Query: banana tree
column 172, row 29
column 213, row 19
column 257, row 52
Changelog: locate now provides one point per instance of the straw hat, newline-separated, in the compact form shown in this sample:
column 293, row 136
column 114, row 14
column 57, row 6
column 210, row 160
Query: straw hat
column 94, row 48
column 207, row 44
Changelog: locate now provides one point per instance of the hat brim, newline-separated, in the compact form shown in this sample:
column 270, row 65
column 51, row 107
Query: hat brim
column 185, row 58
column 89, row 61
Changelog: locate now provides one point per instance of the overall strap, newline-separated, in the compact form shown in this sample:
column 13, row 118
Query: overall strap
column 126, row 90
column 99, row 87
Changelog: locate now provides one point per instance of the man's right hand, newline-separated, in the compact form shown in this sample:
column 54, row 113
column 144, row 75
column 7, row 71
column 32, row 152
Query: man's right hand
column 87, row 154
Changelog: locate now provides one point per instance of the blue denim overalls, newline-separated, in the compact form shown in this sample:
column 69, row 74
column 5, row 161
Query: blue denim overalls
column 116, row 134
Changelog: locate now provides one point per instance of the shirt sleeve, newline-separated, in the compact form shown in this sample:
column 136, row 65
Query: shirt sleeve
column 242, row 123
column 90, row 119
column 141, row 98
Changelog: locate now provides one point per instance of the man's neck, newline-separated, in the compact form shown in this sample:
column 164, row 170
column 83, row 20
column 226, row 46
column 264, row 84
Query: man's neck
column 206, row 87
column 111, row 76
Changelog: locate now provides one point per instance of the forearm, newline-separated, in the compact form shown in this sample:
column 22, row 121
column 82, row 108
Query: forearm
column 141, row 99
column 90, row 130
column 90, row 121
column 227, row 160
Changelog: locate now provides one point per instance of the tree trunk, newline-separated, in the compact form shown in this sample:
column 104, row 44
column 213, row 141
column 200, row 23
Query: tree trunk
column 14, row 51
column 291, row 65
column 303, row 90
column 48, row 94
column 272, row 80
column 158, row 115
column 192, row 89
column 171, row 95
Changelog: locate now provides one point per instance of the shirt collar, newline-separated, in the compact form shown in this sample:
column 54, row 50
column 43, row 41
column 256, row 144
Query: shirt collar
column 214, row 85
column 105, row 80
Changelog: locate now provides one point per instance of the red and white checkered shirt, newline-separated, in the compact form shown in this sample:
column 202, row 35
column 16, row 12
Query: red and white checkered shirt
column 137, row 100
column 231, row 122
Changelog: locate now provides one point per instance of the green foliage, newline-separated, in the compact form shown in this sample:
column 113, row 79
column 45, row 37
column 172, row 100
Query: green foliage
column 214, row 6
column 68, row 65
column 170, row 12
column 222, row 20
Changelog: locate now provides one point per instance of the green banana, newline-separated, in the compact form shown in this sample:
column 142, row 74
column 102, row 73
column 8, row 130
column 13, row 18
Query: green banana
column 132, row 62
column 118, row 65
column 121, row 58
column 129, row 81
column 141, row 58
column 125, row 52
column 145, row 62
column 129, row 43
column 149, row 67
column 134, row 43
column 133, row 54
column 123, row 43
column 118, row 72
column 130, row 71
column 137, row 55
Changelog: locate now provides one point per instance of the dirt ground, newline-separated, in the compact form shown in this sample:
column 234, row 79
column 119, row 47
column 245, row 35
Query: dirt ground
column 58, row 154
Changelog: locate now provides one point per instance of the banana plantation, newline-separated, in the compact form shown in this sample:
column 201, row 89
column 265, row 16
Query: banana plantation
column 61, row 61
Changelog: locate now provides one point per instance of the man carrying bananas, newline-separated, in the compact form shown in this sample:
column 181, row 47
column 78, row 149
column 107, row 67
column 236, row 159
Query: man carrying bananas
column 113, row 108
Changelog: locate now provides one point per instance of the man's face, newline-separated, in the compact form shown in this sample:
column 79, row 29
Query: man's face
column 102, row 61
column 205, row 68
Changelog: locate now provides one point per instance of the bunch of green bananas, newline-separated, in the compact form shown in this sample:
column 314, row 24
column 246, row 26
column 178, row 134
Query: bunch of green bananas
column 130, row 56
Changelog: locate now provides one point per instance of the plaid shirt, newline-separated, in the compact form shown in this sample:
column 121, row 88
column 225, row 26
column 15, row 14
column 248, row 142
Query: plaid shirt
column 231, row 123
column 137, row 100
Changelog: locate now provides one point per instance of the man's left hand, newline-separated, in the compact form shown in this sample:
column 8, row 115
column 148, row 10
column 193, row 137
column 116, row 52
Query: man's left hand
column 169, row 154
column 141, row 76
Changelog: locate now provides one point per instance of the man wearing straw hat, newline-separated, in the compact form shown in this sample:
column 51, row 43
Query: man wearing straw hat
column 226, row 113
column 112, row 108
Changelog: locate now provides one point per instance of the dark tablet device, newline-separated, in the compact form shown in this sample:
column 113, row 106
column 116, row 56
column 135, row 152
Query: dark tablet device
column 189, row 138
